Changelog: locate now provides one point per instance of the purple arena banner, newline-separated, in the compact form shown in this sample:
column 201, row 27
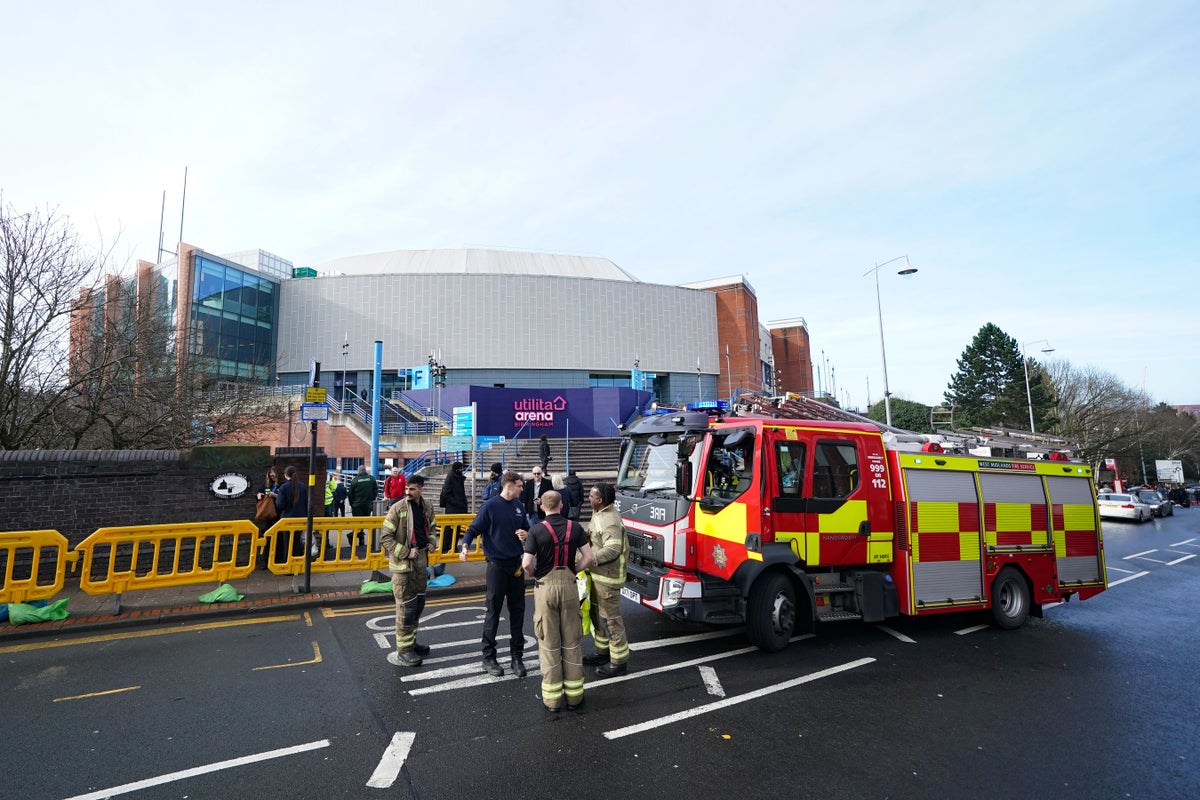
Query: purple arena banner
column 586, row 413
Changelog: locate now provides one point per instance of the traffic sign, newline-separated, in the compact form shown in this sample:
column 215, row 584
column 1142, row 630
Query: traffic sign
column 314, row 412
column 314, row 394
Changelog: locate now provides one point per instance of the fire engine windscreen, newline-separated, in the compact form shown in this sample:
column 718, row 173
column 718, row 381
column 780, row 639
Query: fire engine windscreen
column 649, row 463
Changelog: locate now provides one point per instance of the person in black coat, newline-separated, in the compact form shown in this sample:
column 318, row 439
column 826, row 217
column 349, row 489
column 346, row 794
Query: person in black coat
column 291, row 500
column 544, row 453
column 531, row 495
column 454, row 491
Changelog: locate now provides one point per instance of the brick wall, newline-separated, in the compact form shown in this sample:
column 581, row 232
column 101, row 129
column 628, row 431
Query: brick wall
column 77, row 491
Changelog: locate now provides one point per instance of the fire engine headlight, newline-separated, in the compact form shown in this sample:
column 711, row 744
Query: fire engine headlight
column 672, row 591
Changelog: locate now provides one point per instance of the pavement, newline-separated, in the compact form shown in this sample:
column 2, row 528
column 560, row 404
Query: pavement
column 262, row 591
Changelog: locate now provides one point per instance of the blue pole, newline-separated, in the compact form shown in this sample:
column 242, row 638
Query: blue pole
column 376, row 408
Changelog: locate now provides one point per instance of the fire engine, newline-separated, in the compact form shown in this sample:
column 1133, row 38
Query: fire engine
column 787, row 512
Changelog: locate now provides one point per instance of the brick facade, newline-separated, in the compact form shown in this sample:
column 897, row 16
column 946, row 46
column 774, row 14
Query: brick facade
column 77, row 491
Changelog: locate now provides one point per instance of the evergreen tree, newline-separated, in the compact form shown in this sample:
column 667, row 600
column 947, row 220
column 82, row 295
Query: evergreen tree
column 906, row 414
column 989, row 387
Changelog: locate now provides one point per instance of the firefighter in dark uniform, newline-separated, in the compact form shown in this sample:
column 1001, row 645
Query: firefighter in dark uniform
column 409, row 533
column 555, row 549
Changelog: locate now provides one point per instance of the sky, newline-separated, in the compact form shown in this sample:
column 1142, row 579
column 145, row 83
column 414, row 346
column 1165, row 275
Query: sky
column 1037, row 163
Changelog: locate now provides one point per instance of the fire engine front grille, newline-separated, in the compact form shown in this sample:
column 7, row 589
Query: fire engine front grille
column 644, row 566
column 644, row 550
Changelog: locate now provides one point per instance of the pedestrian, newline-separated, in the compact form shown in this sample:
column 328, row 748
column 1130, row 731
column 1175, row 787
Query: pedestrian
column 555, row 550
column 544, row 452
column 291, row 500
column 531, row 495
column 611, row 548
column 269, row 488
column 454, row 492
column 503, row 524
column 409, row 536
column 331, row 485
column 575, row 486
column 492, row 487
column 560, row 486
column 362, row 493
column 393, row 485
column 339, row 499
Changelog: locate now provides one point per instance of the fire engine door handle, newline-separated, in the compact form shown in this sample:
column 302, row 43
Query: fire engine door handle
column 864, row 528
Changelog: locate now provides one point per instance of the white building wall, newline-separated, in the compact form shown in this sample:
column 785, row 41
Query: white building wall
column 510, row 322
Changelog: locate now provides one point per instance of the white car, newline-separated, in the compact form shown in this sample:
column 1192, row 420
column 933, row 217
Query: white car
column 1157, row 501
column 1123, row 506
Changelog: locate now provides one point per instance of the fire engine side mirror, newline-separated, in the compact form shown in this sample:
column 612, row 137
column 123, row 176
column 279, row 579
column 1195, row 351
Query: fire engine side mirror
column 683, row 478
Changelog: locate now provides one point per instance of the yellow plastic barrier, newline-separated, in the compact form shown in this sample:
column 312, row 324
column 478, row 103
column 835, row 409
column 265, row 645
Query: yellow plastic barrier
column 117, row 560
column 34, row 548
column 332, row 537
column 284, row 542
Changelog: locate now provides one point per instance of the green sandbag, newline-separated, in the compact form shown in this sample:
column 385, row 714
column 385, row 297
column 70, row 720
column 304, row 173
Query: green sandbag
column 370, row 587
column 22, row 613
column 222, row 594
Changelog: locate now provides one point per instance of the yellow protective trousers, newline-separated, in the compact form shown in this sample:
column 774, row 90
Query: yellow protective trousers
column 608, row 627
column 558, row 627
column 408, row 587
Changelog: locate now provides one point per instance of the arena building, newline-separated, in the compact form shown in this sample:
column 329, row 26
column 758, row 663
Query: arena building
column 472, row 317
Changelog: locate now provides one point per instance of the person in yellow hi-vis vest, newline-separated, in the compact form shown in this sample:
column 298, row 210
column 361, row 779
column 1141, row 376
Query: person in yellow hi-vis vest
column 607, row 575
column 409, row 536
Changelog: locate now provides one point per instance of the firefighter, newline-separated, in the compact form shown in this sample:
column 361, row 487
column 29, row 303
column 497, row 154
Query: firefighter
column 554, row 550
column 409, row 533
column 611, row 548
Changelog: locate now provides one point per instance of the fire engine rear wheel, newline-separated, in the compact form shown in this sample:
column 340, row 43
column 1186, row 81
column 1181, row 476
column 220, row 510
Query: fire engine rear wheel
column 1010, row 599
column 771, row 613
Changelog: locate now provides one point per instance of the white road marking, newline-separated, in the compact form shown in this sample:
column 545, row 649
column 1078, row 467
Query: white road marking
column 444, row 672
column 732, row 701
column 695, row 637
column 1185, row 541
column 644, row 673
column 1046, row 606
column 392, row 761
column 393, row 658
column 896, row 634
column 1139, row 555
column 204, row 770
column 1176, row 561
column 1111, row 568
column 972, row 629
column 1131, row 577
column 711, row 682
column 1155, row 560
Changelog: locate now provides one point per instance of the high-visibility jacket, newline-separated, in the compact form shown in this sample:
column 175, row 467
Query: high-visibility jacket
column 608, row 542
column 330, row 487
column 399, row 540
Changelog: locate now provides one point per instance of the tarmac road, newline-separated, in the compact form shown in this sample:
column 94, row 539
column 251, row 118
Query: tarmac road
column 1096, row 699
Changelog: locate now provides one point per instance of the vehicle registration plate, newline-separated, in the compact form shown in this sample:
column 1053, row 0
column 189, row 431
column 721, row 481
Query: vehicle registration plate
column 630, row 594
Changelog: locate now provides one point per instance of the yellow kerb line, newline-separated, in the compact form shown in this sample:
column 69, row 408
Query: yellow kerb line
column 316, row 660
column 109, row 637
column 95, row 694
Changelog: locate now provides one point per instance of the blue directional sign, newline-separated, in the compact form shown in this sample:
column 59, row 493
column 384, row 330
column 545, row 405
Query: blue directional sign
column 489, row 440
column 456, row 442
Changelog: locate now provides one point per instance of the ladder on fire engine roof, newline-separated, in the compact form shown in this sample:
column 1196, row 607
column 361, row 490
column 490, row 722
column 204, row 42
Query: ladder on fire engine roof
column 796, row 406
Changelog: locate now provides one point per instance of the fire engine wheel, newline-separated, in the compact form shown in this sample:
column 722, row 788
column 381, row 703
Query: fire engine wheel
column 1010, row 599
column 771, row 613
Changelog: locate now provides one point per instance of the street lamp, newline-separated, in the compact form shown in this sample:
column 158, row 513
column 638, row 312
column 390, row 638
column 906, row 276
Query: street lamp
column 1025, row 364
column 729, row 369
column 908, row 270
column 345, row 353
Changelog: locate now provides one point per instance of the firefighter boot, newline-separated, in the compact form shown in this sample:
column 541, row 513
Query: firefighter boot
column 595, row 659
column 409, row 658
column 611, row 670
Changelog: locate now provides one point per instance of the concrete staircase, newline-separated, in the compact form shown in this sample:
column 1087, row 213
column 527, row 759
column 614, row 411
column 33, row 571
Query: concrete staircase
column 591, row 459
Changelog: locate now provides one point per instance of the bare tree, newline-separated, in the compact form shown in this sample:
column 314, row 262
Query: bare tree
column 44, row 265
column 144, row 394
